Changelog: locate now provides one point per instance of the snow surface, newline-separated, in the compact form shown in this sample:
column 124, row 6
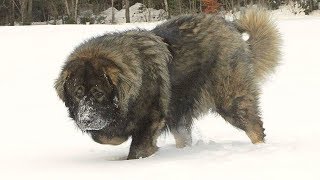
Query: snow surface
column 138, row 13
column 38, row 141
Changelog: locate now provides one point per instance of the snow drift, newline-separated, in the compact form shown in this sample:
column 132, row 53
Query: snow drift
column 38, row 141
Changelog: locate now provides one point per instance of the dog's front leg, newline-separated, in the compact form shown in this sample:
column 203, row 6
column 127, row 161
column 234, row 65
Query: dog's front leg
column 144, row 141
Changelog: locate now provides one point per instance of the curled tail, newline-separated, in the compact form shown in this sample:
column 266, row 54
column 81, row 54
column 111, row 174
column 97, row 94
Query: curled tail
column 264, row 40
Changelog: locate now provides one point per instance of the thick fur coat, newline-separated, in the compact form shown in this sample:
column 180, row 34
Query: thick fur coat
column 139, row 83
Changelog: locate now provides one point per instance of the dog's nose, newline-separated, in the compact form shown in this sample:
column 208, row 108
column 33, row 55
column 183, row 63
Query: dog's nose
column 85, row 124
column 91, row 123
column 86, row 121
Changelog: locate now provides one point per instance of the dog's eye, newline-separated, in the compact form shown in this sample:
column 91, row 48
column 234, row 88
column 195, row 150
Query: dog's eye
column 98, row 95
column 79, row 91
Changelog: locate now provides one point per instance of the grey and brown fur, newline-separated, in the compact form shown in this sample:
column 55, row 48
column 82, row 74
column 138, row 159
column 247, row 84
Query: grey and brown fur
column 138, row 83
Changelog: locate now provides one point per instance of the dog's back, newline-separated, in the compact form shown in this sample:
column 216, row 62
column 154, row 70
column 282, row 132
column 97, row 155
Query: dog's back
column 213, row 68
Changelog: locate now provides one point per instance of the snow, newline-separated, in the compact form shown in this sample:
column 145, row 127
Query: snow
column 293, row 8
column 138, row 13
column 87, row 113
column 245, row 36
column 38, row 141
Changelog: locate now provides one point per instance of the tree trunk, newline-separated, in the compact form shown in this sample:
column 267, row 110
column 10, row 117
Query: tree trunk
column 54, row 12
column 112, row 12
column 150, row 4
column 72, row 5
column 67, row 7
column 232, row 5
column 76, row 12
column 12, row 13
column 23, row 10
column 311, row 5
column 238, row 5
column 127, row 12
column 22, row 4
column 44, row 14
column 72, row 10
column 30, row 18
column 167, row 9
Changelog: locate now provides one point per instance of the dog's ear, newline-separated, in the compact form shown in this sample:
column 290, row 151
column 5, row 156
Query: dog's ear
column 113, row 74
column 60, row 84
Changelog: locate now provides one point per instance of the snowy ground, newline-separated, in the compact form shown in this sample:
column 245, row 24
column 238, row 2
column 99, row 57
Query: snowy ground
column 38, row 141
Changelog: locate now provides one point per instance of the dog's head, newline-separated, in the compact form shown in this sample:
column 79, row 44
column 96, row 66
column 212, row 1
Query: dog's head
column 88, row 89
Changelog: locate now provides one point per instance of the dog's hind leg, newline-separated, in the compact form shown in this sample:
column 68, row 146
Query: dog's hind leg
column 181, row 132
column 243, row 114
column 237, row 102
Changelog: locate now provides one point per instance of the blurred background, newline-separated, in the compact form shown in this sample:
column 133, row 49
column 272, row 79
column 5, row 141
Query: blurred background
column 40, row 12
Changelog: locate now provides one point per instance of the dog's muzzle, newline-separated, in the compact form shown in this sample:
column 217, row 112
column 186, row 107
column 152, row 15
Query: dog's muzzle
column 88, row 118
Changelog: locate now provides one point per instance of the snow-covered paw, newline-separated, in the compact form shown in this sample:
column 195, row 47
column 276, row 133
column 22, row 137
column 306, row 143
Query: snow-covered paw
column 137, row 154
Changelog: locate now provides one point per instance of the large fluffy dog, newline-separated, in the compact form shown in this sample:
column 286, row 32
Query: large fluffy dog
column 139, row 83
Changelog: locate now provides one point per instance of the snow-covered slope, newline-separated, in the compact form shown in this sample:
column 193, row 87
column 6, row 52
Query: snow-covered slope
column 38, row 141
column 138, row 13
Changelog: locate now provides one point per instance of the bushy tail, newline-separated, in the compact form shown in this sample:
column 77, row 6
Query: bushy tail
column 264, row 40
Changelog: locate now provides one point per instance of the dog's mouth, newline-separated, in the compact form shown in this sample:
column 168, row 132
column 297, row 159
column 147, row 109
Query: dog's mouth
column 88, row 118
column 91, row 124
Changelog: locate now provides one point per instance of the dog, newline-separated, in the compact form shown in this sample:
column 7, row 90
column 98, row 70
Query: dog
column 140, row 83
